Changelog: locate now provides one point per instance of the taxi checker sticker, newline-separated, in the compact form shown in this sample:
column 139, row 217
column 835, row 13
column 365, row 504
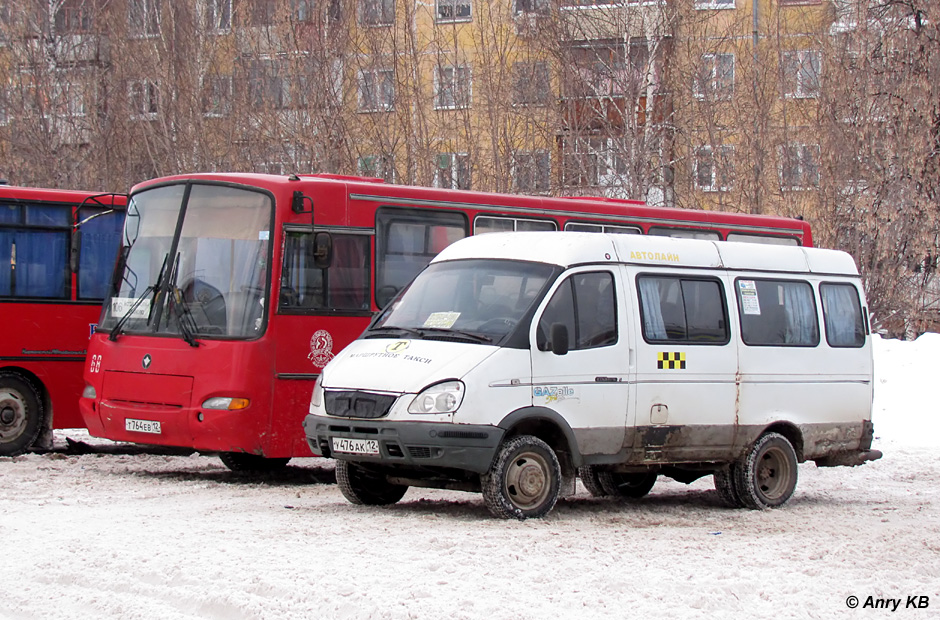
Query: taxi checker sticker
column 674, row 360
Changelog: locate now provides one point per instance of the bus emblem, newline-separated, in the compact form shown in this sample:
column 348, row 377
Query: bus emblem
column 146, row 361
column 321, row 348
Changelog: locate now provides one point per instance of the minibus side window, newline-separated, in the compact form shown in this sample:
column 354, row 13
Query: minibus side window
column 842, row 315
column 777, row 313
column 586, row 304
column 682, row 309
column 342, row 286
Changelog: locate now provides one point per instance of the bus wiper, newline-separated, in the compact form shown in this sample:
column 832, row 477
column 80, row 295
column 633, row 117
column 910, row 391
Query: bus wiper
column 184, row 316
column 373, row 333
column 471, row 335
column 118, row 328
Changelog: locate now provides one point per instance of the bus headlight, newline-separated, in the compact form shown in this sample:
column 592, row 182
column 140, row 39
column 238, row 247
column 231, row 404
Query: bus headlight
column 441, row 398
column 225, row 402
column 89, row 392
column 316, row 399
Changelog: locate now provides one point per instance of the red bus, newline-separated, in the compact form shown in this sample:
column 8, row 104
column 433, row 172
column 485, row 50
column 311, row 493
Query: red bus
column 225, row 306
column 57, row 252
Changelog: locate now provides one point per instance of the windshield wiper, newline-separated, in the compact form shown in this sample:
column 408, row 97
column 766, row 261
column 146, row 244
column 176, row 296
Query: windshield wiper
column 373, row 333
column 118, row 328
column 184, row 316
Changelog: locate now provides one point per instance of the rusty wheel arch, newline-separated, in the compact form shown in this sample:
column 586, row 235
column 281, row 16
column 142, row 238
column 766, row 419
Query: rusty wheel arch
column 793, row 434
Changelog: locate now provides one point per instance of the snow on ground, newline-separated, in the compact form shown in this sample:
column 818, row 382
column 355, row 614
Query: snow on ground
column 116, row 535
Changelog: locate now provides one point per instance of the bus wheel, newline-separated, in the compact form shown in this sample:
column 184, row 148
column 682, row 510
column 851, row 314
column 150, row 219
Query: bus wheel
column 633, row 486
column 524, row 481
column 766, row 477
column 251, row 463
column 588, row 475
column 365, row 488
column 21, row 415
column 724, row 484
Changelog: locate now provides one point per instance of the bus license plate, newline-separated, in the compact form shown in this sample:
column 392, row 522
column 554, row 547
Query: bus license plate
column 142, row 426
column 355, row 446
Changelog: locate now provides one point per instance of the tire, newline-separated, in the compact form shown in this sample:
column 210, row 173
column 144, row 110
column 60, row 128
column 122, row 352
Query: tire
column 588, row 475
column 724, row 485
column 524, row 481
column 21, row 414
column 366, row 488
column 767, row 475
column 629, row 486
column 252, row 463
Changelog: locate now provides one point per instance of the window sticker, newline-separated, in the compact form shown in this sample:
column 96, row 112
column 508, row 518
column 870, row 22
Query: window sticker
column 264, row 235
column 441, row 320
column 750, row 304
column 120, row 306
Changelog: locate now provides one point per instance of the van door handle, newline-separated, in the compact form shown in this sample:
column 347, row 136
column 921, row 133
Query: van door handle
column 606, row 379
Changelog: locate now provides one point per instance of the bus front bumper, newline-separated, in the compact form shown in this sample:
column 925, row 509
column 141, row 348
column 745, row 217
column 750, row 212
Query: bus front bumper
column 468, row 447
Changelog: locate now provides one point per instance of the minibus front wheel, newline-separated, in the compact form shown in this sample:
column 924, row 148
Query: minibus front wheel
column 524, row 481
column 366, row 487
column 766, row 476
column 252, row 463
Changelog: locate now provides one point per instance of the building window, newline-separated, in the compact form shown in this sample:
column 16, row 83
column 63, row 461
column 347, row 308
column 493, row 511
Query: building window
column 714, row 4
column 74, row 17
column 452, row 87
column 376, row 90
column 377, row 12
column 540, row 7
column 531, row 84
column 303, row 10
column 144, row 98
column 715, row 78
column 217, row 95
column 801, row 74
column 606, row 68
column 218, row 15
column 143, row 18
column 714, row 170
column 453, row 171
column 380, row 166
column 531, row 172
column 592, row 161
column 270, row 85
column 799, row 166
column 453, row 10
column 262, row 12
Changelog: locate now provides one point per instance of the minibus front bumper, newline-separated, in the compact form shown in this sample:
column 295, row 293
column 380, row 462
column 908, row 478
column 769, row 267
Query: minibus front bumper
column 468, row 447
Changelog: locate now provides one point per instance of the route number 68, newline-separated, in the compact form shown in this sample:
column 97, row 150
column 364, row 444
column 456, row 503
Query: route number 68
column 95, row 365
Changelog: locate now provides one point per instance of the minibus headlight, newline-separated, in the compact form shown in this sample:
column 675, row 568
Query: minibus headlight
column 225, row 402
column 89, row 392
column 316, row 399
column 441, row 398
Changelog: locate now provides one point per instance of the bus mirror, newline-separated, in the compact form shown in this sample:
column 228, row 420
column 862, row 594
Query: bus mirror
column 322, row 250
column 559, row 336
column 76, row 250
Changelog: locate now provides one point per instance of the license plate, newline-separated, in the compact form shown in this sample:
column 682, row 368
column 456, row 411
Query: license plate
column 355, row 446
column 142, row 426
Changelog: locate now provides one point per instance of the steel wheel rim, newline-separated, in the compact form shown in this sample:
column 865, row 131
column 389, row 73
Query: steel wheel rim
column 12, row 415
column 528, row 480
column 773, row 474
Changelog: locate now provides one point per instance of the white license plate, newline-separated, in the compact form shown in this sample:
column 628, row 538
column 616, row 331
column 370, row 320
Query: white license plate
column 142, row 426
column 355, row 446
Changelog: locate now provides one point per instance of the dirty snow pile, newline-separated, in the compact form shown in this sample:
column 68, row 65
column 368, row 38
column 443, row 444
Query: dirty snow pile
column 119, row 534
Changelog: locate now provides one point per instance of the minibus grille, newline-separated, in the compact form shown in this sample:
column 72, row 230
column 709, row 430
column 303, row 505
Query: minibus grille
column 346, row 404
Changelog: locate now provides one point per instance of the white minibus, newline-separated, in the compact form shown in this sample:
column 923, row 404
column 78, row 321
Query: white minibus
column 517, row 361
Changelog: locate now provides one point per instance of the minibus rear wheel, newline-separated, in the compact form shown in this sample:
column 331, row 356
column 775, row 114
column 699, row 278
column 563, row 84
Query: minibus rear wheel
column 766, row 476
column 21, row 415
column 366, row 488
column 524, row 481
column 724, row 484
column 590, row 480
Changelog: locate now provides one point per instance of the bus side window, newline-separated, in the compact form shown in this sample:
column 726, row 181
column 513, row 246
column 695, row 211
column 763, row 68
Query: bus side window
column 34, row 242
column 344, row 285
column 101, row 238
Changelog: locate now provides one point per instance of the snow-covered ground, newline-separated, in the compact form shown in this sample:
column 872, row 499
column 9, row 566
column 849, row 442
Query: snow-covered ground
column 112, row 535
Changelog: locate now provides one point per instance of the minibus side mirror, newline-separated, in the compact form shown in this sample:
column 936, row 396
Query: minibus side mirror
column 76, row 250
column 558, row 333
column 322, row 250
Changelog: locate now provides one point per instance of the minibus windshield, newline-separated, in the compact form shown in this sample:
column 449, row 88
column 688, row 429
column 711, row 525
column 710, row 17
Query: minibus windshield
column 194, row 263
column 475, row 300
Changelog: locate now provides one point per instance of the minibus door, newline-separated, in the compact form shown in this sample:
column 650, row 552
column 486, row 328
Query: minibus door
column 585, row 380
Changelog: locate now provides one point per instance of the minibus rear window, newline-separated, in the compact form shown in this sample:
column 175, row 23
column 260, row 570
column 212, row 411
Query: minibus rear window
column 842, row 315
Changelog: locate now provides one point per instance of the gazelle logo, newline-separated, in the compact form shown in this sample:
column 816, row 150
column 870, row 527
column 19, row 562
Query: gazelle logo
column 395, row 347
column 146, row 361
